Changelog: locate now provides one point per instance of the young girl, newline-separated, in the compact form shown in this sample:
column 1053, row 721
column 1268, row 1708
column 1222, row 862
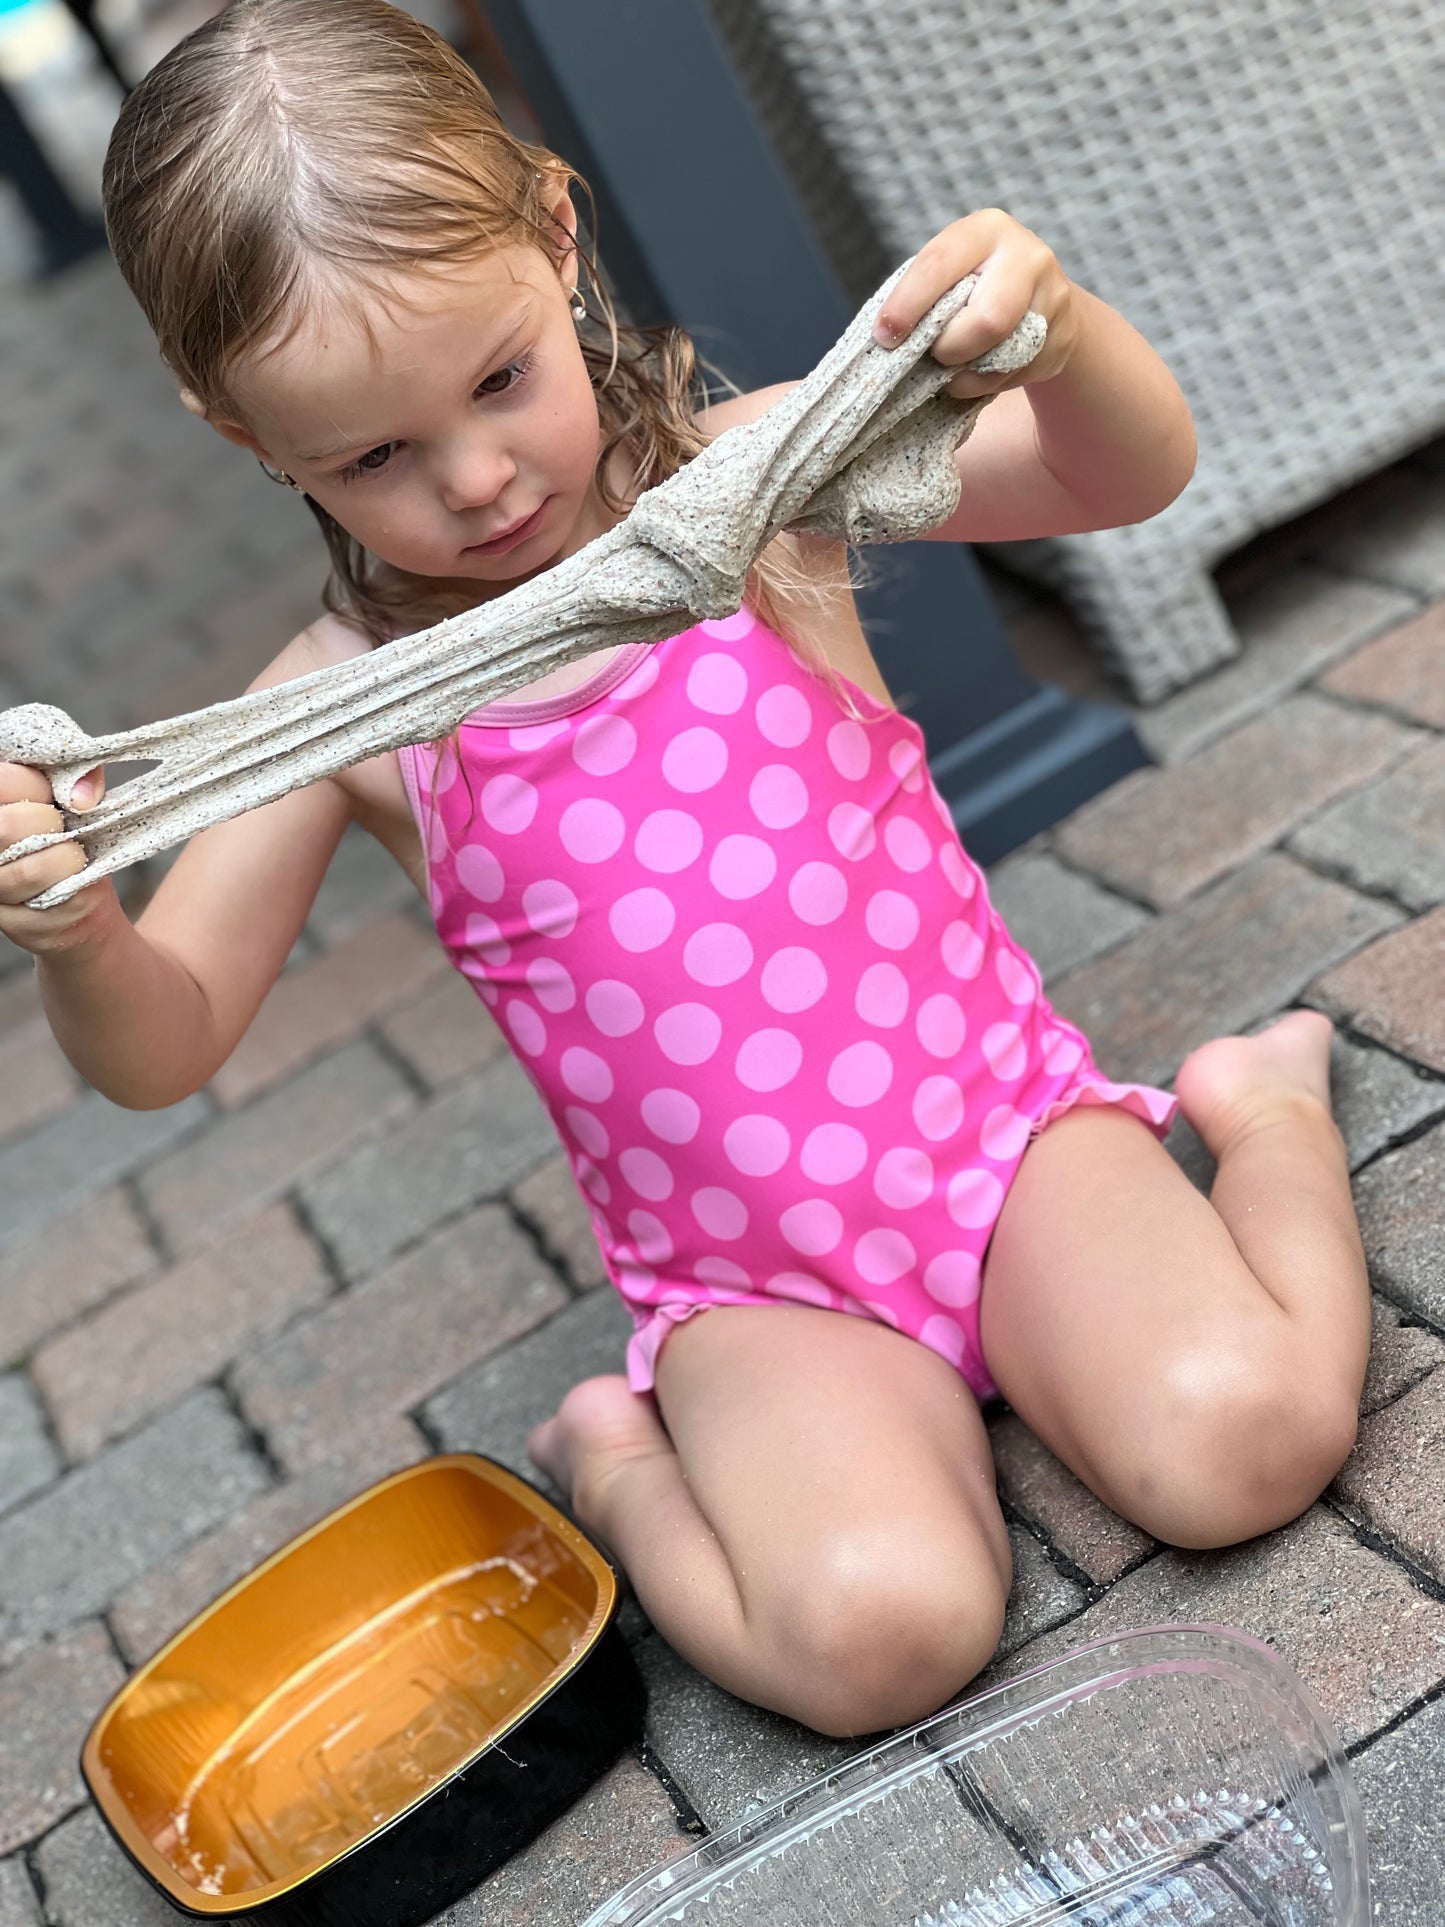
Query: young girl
column 807, row 1082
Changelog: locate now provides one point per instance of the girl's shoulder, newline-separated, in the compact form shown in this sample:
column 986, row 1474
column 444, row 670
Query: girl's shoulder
column 324, row 643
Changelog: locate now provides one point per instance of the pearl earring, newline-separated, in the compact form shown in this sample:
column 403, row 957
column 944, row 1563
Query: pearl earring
column 578, row 305
column 276, row 475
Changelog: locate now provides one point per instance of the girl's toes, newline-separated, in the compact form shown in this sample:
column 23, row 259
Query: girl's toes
column 601, row 1424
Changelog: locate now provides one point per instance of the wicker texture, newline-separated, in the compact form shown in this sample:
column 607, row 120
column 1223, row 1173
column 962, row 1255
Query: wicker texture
column 1258, row 185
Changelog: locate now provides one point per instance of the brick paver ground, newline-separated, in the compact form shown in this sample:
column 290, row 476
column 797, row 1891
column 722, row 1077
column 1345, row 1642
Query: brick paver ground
column 361, row 1245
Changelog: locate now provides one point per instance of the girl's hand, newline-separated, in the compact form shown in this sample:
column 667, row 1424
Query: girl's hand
column 1016, row 272
column 27, row 808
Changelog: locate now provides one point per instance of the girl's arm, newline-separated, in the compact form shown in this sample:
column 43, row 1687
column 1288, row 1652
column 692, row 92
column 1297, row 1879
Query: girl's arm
column 148, row 1012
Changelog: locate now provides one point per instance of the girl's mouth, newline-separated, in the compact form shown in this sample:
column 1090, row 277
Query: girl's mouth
column 500, row 543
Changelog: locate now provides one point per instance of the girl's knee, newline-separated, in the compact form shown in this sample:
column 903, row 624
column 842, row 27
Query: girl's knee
column 1249, row 1444
column 888, row 1633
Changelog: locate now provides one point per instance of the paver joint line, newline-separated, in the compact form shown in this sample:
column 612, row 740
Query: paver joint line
column 863, row 448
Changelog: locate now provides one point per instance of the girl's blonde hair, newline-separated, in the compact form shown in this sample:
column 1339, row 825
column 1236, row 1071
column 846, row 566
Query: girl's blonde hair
column 289, row 148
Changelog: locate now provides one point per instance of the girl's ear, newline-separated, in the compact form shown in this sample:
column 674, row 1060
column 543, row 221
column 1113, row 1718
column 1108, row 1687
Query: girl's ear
column 232, row 431
column 559, row 201
column 242, row 437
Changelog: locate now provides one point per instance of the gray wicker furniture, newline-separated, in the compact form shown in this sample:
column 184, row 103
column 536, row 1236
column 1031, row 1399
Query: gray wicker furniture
column 1258, row 185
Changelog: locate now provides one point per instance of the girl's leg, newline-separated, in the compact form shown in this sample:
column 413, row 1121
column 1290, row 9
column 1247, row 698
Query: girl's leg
column 1197, row 1363
column 816, row 1529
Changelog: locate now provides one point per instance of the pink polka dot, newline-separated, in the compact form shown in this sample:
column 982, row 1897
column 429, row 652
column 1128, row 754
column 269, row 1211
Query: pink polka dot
column 741, row 867
column 941, row 1026
column 905, row 759
column 730, row 628
column 883, row 1256
column 649, row 1175
column 891, row 919
column 488, row 993
column 586, row 1075
column 485, row 937
column 818, row 893
column 962, row 951
column 882, row 997
column 958, row 870
column 551, row 984
column 850, row 830
column 509, row 804
column 1019, row 983
column 526, row 1027
column 860, row 1074
column 721, row 1214
column 591, row 830
column 1003, row 1046
column 937, row 1108
column 813, row 1227
column 444, row 775
column 907, row 844
column 797, row 1287
column 437, row 841
column 688, row 1033
column 793, row 979
column 639, row 680
column 604, row 745
column 904, row 1177
column 721, row 1272
column 881, row 1314
column 783, row 716
column 671, row 1115
column 694, row 760
column 550, row 908
column 768, row 1060
column 668, row 841
column 1005, row 1133
column 756, row 1145
column 479, row 873
column 717, row 684
column 615, row 1008
column 800, row 1289
column 589, row 1131
column 848, row 749
column 594, row 1182
column 532, row 736
column 717, row 954
column 778, row 796
column 651, row 1237
column 833, row 1153
column 636, row 1281
column 944, row 1336
column 642, row 919
column 952, row 1278
column 1064, row 1056
column 974, row 1198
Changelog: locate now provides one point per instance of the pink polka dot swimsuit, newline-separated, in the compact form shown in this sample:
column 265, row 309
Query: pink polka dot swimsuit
column 791, row 1050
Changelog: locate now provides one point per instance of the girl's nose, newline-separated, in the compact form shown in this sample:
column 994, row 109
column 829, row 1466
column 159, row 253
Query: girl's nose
column 472, row 475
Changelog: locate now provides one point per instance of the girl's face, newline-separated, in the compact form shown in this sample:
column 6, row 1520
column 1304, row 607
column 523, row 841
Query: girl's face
column 455, row 434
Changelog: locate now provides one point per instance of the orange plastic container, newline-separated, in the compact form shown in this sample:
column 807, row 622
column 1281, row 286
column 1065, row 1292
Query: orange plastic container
column 379, row 1715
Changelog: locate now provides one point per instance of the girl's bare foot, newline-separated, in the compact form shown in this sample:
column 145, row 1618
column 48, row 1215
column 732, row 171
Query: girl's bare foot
column 1234, row 1086
column 601, row 1426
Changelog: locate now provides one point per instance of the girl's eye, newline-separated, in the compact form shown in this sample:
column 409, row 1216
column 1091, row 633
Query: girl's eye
column 376, row 459
column 513, row 375
column 371, row 463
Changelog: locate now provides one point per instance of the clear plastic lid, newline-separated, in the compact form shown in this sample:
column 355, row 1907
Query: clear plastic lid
column 1179, row 1776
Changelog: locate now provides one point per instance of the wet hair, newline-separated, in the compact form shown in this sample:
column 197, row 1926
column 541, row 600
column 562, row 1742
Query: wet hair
column 289, row 151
